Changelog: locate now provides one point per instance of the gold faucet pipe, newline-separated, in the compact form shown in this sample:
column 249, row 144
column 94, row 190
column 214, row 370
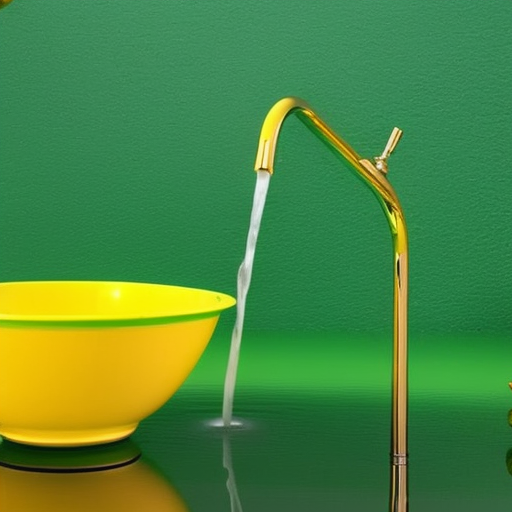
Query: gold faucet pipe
column 374, row 176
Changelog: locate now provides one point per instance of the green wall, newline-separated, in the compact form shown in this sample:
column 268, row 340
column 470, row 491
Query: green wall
column 128, row 131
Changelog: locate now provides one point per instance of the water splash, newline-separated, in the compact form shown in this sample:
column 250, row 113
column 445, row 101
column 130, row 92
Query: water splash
column 244, row 281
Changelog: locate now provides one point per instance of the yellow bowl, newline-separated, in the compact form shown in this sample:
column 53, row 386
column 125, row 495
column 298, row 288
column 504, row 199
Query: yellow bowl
column 83, row 362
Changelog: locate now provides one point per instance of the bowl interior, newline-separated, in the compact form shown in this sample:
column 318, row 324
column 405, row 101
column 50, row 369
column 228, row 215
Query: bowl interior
column 83, row 301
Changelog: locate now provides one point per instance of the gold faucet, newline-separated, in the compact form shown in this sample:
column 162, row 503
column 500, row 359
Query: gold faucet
column 374, row 174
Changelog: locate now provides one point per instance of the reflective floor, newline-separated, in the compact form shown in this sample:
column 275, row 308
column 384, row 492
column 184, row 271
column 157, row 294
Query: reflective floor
column 315, row 431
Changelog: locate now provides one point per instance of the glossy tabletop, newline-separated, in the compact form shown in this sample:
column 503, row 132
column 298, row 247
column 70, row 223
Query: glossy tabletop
column 315, row 412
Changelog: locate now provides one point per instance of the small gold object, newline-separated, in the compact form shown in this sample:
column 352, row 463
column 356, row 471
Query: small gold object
column 3, row 3
column 381, row 161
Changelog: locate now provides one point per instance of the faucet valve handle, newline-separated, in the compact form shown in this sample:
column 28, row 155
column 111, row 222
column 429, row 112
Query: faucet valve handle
column 381, row 161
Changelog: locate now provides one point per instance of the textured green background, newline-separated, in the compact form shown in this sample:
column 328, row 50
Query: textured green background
column 128, row 131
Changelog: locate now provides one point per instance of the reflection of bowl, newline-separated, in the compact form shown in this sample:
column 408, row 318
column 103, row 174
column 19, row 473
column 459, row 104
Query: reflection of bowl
column 49, row 485
column 82, row 362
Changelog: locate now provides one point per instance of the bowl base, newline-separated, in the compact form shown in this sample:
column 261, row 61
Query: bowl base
column 67, row 438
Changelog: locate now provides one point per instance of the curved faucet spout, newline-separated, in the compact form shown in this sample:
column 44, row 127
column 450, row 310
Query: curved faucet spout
column 272, row 126
column 374, row 175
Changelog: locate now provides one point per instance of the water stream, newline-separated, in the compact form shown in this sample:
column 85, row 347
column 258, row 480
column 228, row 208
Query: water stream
column 243, row 284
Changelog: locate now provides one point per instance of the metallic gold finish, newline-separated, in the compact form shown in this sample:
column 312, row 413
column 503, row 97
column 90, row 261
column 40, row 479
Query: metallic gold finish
column 388, row 199
column 398, row 498
column 381, row 161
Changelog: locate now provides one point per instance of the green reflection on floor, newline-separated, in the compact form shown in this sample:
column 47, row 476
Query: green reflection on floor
column 460, row 367
column 320, row 410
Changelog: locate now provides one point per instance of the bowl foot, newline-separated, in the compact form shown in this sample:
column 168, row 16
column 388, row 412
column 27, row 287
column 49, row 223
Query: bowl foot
column 67, row 438
column 68, row 460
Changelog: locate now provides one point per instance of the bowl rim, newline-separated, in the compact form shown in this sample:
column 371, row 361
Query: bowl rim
column 12, row 320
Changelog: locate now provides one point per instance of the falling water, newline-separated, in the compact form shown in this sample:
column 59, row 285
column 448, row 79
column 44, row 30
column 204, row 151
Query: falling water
column 244, row 281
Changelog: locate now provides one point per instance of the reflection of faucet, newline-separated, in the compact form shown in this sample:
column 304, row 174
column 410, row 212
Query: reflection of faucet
column 373, row 173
